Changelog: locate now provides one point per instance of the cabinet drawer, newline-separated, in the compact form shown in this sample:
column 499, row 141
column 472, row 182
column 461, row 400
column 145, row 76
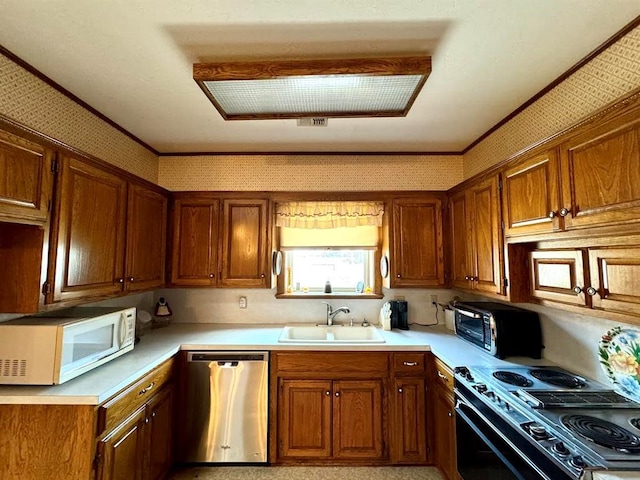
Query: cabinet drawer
column 408, row 363
column 329, row 365
column 115, row 410
column 443, row 375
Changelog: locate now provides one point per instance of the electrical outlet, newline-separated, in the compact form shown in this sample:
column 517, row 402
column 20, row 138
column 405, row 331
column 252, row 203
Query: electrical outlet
column 243, row 302
column 434, row 299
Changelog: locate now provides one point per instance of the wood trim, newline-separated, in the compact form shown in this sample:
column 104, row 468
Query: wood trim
column 56, row 86
column 610, row 41
column 315, row 153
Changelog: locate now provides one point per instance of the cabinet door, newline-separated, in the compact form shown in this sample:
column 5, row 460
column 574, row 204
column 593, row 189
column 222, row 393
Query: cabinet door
column 146, row 238
column 615, row 276
column 195, row 243
column 486, row 237
column 89, row 255
column 409, row 431
column 558, row 275
column 25, row 180
column 357, row 419
column 160, row 437
column 418, row 259
column 121, row 453
column 601, row 174
column 530, row 196
column 245, row 251
column 460, row 242
column 445, row 431
column 304, row 427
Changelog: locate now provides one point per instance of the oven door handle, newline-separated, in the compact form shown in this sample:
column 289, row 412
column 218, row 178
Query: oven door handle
column 462, row 402
column 467, row 313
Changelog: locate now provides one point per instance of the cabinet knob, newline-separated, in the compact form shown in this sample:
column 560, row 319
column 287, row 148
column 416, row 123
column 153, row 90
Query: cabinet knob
column 327, row 393
column 398, row 275
column 591, row 291
column 262, row 275
column 211, row 275
column 564, row 212
column 399, row 390
column 474, row 279
column 551, row 214
column 450, row 414
column 577, row 290
column 153, row 414
column 121, row 280
column 337, row 394
column 131, row 279
column 467, row 277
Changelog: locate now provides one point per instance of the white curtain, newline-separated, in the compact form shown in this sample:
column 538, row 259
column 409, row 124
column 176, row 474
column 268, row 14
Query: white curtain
column 320, row 215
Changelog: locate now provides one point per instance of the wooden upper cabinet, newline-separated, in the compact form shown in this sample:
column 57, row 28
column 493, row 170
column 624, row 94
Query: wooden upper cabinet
column 530, row 196
column 244, row 252
column 601, row 174
column 460, row 241
column 195, row 242
column 146, row 238
column 486, row 235
column 88, row 259
column 476, row 238
column 615, row 279
column 418, row 259
column 25, row 180
column 559, row 276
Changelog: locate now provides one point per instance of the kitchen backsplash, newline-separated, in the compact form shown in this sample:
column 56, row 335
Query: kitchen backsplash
column 220, row 305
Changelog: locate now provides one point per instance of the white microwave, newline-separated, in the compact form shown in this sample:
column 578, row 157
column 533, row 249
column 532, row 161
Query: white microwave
column 51, row 348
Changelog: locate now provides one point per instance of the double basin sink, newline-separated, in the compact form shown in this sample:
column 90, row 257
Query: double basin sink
column 330, row 334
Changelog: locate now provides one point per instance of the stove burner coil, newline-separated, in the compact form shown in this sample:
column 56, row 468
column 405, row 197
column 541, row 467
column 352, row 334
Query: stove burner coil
column 559, row 379
column 512, row 378
column 603, row 433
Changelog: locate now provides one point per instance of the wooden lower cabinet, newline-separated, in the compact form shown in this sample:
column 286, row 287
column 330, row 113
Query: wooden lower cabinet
column 409, row 443
column 444, row 432
column 121, row 452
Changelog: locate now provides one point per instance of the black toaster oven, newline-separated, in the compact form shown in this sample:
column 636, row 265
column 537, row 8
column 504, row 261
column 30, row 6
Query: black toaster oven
column 501, row 330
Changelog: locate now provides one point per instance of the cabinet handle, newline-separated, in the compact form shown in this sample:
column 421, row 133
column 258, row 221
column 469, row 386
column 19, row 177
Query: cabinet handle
column 399, row 390
column 327, row 393
column 591, row 291
column 564, row 212
column 577, row 290
column 211, row 275
column 551, row 214
column 337, row 394
column 410, row 364
column 443, row 377
column 146, row 389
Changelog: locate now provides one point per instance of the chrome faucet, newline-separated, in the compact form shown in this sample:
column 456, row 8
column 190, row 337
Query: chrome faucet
column 331, row 313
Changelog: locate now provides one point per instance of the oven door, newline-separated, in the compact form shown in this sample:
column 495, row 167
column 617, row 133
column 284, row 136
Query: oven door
column 489, row 448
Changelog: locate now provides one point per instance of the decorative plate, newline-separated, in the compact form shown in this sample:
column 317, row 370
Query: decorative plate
column 276, row 263
column 619, row 352
column 384, row 266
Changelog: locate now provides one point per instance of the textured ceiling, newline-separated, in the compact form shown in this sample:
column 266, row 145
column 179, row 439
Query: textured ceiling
column 132, row 61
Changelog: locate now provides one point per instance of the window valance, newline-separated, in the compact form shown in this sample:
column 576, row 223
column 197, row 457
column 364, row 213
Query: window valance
column 321, row 215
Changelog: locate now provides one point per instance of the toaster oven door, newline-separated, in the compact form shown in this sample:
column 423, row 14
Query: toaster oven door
column 470, row 326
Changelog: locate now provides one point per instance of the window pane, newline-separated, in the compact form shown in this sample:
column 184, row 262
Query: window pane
column 343, row 268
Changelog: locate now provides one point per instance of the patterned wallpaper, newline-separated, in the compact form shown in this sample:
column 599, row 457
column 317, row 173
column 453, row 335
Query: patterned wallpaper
column 610, row 75
column 30, row 101
column 310, row 172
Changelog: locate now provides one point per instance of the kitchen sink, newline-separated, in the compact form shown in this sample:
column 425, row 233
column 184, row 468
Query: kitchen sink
column 330, row 334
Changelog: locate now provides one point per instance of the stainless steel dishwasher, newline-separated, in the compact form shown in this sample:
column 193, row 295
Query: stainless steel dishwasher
column 226, row 406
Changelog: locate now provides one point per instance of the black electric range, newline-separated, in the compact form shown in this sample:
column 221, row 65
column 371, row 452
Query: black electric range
column 561, row 425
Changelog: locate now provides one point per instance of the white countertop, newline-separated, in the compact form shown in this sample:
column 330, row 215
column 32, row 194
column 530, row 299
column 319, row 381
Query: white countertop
column 98, row 385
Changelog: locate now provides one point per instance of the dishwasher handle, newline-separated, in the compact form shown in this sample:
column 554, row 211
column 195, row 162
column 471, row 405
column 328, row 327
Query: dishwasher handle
column 223, row 358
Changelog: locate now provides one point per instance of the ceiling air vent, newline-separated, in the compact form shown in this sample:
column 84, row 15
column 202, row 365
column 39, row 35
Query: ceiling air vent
column 313, row 122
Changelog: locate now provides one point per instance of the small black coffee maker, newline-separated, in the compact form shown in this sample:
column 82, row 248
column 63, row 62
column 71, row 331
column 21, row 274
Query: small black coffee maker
column 399, row 314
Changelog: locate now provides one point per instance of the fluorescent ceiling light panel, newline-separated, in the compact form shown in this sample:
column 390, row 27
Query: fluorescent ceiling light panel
column 382, row 87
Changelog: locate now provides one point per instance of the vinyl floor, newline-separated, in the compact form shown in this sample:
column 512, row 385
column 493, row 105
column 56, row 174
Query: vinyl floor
column 304, row 473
